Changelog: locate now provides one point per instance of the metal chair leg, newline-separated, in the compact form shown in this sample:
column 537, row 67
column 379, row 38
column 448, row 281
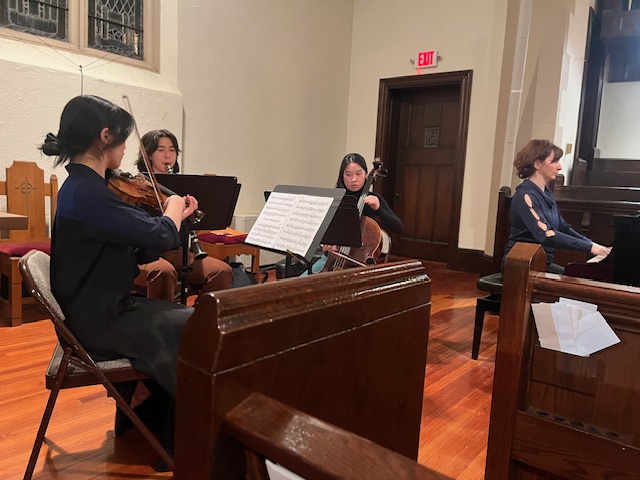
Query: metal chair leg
column 477, row 328
column 48, row 411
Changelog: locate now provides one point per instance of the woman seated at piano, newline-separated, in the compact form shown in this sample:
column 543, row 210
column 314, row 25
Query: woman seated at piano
column 160, row 277
column 352, row 177
column 535, row 217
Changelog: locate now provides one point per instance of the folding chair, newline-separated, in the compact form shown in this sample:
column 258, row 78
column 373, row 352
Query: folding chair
column 71, row 366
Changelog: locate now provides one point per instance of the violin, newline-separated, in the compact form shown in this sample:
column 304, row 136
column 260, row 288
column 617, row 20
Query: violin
column 138, row 190
column 370, row 232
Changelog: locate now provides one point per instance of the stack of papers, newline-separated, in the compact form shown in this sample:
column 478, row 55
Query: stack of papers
column 574, row 327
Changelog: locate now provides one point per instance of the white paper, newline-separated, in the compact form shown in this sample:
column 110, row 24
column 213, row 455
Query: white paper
column 289, row 222
column 547, row 332
column 590, row 307
column 571, row 326
column 278, row 472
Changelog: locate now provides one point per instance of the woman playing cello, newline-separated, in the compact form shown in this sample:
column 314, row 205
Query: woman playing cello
column 352, row 177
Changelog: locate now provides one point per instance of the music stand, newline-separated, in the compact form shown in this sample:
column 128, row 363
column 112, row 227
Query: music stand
column 274, row 224
column 343, row 229
column 217, row 197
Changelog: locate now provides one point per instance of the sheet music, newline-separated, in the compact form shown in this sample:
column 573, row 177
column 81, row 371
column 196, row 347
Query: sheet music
column 572, row 326
column 289, row 222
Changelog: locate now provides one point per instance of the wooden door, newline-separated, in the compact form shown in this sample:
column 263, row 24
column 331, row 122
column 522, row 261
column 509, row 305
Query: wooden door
column 421, row 137
column 428, row 120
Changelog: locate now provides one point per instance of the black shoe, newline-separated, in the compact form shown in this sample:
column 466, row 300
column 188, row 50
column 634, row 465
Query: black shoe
column 122, row 423
column 160, row 466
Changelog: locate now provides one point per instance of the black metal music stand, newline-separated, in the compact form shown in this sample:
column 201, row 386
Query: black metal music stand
column 217, row 197
column 337, row 195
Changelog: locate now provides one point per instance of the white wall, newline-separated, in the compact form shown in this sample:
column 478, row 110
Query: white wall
column 38, row 80
column 618, row 131
column 265, row 86
column 468, row 35
column 571, row 80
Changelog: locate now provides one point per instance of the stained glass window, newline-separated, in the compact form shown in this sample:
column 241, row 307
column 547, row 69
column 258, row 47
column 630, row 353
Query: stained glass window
column 116, row 26
column 46, row 18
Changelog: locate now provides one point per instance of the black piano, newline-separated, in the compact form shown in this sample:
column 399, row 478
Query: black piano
column 622, row 266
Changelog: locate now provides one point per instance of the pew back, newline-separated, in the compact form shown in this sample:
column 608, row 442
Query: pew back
column 347, row 347
column 555, row 415
column 310, row 447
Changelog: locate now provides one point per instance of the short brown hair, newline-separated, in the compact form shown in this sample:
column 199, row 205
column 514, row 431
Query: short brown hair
column 150, row 141
column 532, row 151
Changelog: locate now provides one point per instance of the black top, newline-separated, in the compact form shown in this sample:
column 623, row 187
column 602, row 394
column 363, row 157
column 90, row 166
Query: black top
column 94, row 243
column 388, row 220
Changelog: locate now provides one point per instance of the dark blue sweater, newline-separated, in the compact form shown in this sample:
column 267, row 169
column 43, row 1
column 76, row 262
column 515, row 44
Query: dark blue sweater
column 535, row 219
column 93, row 250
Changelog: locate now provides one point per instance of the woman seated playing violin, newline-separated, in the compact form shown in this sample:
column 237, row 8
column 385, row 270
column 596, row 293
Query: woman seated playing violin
column 95, row 243
column 352, row 177
column 160, row 277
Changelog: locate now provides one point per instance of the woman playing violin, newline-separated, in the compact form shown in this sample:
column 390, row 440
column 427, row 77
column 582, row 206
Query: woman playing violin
column 161, row 276
column 352, row 177
column 98, row 239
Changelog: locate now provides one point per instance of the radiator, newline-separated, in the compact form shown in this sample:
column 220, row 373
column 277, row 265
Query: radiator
column 243, row 222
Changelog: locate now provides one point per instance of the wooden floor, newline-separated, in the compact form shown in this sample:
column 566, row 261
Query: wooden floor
column 80, row 438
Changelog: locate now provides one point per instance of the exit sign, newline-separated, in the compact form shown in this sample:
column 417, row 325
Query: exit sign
column 427, row 59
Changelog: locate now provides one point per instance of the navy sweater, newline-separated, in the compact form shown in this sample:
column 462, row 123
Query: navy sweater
column 535, row 219
column 93, row 250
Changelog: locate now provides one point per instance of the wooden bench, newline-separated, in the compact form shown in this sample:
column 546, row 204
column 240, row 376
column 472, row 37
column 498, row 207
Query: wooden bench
column 347, row 347
column 314, row 449
column 610, row 172
column 615, row 165
column 555, row 415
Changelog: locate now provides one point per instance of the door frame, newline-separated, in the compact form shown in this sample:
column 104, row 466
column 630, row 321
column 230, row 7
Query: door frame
column 387, row 126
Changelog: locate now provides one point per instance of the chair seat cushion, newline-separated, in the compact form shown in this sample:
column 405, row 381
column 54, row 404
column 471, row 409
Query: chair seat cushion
column 105, row 365
column 18, row 249
column 227, row 239
column 490, row 283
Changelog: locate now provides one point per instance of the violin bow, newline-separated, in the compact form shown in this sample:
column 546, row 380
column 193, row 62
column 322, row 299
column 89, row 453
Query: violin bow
column 145, row 157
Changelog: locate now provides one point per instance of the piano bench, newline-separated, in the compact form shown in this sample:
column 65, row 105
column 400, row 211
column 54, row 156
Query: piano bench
column 491, row 303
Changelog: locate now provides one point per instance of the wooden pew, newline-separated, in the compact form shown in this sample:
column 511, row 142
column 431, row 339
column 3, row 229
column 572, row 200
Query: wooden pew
column 615, row 165
column 310, row 447
column 612, row 179
column 346, row 347
column 555, row 415
column 610, row 172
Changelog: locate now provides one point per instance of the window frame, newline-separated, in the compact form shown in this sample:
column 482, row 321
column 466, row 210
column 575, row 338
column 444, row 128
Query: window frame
column 78, row 36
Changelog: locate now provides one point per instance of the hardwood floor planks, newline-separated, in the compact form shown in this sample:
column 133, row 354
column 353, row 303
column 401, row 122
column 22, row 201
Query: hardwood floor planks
column 81, row 442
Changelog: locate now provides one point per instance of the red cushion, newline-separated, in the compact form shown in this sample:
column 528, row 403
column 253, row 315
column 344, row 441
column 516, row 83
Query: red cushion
column 18, row 249
column 226, row 239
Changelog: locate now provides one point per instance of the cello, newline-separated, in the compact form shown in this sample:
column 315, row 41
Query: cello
column 372, row 236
